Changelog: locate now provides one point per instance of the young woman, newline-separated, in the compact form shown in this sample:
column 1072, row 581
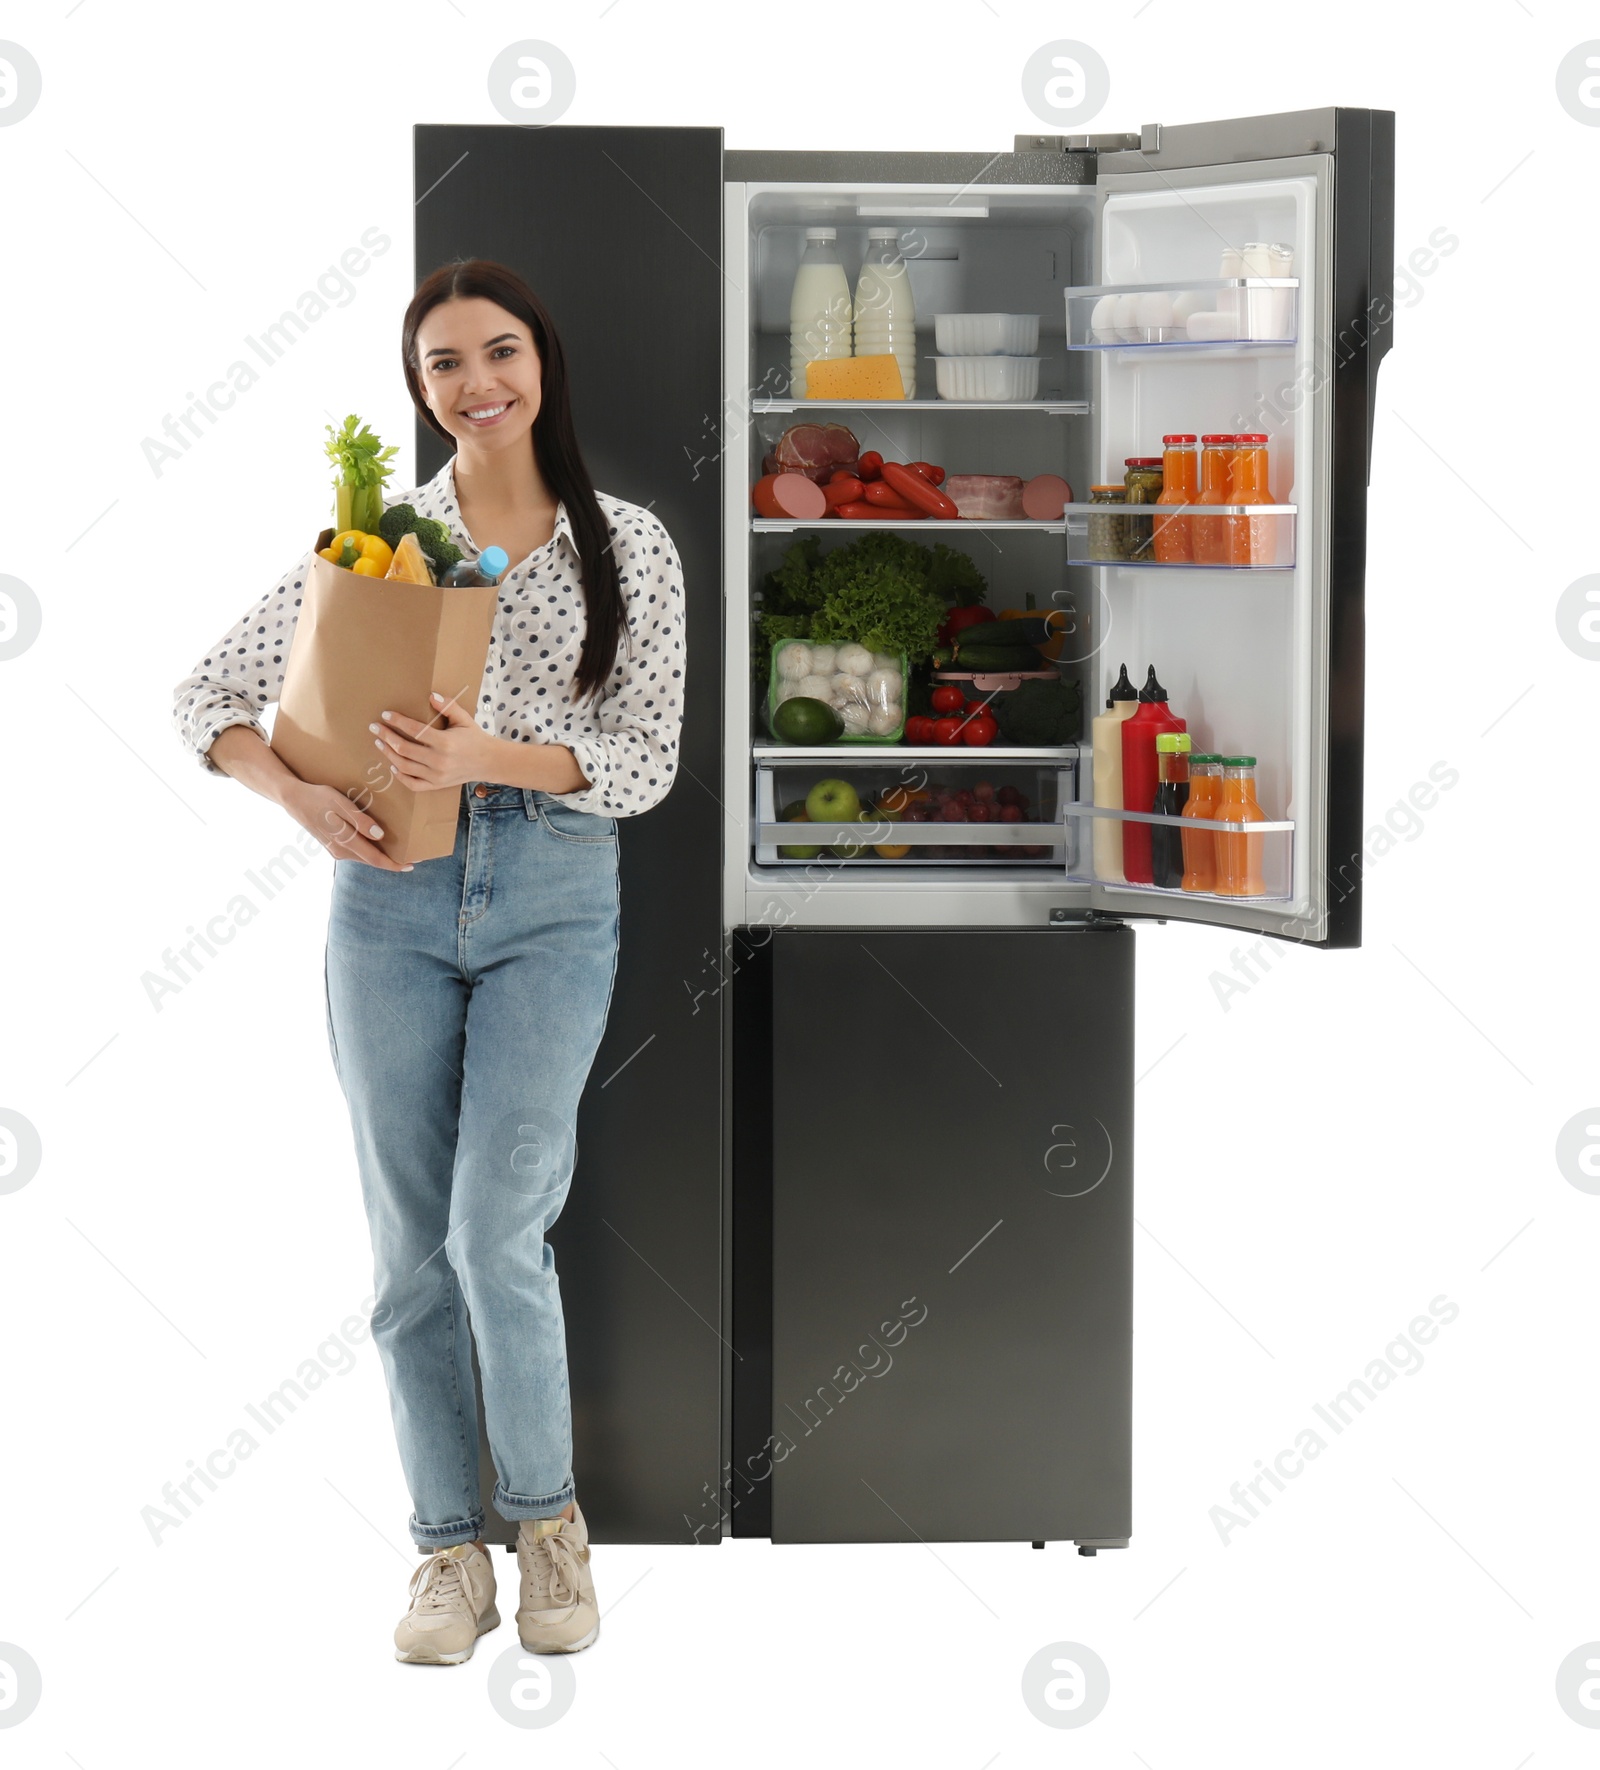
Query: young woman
column 466, row 997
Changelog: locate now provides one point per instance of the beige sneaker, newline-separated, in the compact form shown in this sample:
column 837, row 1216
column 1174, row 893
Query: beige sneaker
column 558, row 1612
column 452, row 1604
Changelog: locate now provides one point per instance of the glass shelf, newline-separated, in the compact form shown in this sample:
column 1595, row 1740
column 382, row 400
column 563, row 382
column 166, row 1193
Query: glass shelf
column 1204, row 313
column 1255, row 537
column 1059, row 408
column 767, row 525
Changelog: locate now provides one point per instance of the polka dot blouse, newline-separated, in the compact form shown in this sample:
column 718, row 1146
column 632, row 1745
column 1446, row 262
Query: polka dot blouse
column 626, row 741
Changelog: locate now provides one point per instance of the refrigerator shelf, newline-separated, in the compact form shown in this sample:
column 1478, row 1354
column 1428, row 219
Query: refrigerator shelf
column 1057, row 408
column 1234, row 314
column 765, row 751
column 1097, row 534
column 767, row 525
column 1269, row 827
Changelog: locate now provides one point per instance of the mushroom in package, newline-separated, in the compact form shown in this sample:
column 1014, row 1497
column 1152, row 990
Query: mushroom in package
column 865, row 690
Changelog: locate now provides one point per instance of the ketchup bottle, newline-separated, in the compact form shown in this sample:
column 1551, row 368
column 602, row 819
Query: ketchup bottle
column 1140, row 776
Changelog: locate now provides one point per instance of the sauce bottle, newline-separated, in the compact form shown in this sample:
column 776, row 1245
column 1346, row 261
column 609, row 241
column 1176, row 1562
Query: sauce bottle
column 1121, row 705
column 1250, row 538
column 1238, row 855
column 1172, row 795
column 1139, row 778
column 1216, row 477
column 1205, row 793
column 1180, row 477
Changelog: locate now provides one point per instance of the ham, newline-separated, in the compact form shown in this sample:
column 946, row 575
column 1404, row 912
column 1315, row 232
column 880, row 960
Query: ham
column 985, row 497
column 814, row 450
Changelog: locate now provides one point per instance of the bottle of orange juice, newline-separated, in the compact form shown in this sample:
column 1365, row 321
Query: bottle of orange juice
column 1216, row 487
column 1180, row 484
column 1199, row 852
column 1239, row 855
column 1250, row 538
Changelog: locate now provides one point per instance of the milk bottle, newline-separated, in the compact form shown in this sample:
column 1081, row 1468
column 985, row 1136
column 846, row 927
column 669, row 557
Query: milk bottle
column 819, row 308
column 885, row 314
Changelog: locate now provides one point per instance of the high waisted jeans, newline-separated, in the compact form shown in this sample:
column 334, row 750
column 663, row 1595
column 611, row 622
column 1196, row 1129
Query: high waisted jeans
column 466, row 1000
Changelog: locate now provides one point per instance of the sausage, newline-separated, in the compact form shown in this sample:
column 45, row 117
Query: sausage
column 1045, row 496
column 881, row 493
column 788, row 497
column 914, row 489
column 843, row 488
column 864, row 511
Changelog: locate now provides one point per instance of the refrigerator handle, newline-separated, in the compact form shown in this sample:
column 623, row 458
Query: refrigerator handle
column 1376, row 177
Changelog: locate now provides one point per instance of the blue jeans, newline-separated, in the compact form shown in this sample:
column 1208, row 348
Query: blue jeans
column 466, row 1000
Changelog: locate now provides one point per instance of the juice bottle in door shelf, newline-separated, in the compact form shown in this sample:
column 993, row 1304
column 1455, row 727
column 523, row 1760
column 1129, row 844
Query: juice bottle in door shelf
column 819, row 308
column 885, row 315
column 1205, row 793
column 1238, row 855
column 1252, row 540
column 1121, row 704
column 1139, row 778
column 1172, row 794
column 1180, row 484
column 1216, row 487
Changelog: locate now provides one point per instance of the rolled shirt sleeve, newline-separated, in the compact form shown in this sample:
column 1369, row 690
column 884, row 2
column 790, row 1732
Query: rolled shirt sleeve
column 631, row 761
column 242, row 674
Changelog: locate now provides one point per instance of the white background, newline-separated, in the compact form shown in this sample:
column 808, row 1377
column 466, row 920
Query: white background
column 1355, row 1134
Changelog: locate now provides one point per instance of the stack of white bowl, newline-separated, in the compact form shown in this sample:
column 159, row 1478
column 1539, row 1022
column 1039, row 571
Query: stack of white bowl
column 986, row 356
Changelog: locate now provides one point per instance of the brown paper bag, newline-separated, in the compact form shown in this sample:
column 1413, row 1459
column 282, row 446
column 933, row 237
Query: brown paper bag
column 364, row 644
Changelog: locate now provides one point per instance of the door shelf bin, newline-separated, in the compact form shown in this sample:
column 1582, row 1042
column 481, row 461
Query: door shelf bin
column 1253, row 537
column 1208, row 313
column 1274, row 837
column 1039, row 785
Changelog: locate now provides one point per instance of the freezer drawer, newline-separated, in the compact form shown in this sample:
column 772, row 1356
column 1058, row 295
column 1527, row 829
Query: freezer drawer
column 952, row 1221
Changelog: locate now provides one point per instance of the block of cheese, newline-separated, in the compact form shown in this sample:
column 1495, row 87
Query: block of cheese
column 854, row 377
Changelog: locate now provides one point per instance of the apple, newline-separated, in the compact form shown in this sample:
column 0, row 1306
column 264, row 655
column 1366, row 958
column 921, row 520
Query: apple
column 983, row 791
column 954, row 813
column 796, row 814
column 1011, row 814
column 980, row 814
column 1011, row 796
column 832, row 802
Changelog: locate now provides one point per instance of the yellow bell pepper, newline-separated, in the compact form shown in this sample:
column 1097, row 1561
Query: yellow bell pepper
column 369, row 556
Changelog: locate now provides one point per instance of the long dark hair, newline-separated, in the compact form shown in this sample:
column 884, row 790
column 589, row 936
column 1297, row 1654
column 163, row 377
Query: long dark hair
column 555, row 445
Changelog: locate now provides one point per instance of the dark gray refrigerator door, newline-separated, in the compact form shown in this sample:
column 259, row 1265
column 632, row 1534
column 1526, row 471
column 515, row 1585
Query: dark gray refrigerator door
column 952, row 1236
column 619, row 231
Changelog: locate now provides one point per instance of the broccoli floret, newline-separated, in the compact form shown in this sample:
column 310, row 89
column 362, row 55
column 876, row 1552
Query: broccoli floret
column 1039, row 713
column 397, row 520
column 434, row 540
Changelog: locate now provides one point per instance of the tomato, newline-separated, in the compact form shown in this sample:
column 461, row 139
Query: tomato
column 869, row 465
column 947, row 698
column 980, row 729
column 947, row 731
column 974, row 707
column 934, row 475
column 919, row 729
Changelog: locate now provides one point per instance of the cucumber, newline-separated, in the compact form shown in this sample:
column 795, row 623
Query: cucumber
column 992, row 658
column 1024, row 630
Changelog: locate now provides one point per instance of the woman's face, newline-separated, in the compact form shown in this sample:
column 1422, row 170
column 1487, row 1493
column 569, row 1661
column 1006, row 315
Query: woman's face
column 480, row 373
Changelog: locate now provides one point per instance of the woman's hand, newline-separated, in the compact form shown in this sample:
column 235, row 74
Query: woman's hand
column 338, row 823
column 425, row 757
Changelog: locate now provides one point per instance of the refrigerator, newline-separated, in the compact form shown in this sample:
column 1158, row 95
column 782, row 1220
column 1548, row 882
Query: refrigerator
column 849, row 1252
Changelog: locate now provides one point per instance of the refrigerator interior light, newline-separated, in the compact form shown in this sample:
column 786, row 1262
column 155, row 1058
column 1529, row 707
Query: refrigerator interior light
column 939, row 211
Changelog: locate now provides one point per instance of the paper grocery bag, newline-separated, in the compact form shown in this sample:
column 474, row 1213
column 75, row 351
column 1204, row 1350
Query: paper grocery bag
column 364, row 644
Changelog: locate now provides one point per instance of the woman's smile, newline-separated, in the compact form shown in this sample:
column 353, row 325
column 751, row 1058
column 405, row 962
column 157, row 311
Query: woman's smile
column 482, row 417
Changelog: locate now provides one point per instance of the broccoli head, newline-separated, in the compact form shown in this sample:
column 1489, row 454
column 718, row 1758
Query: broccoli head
column 1037, row 713
column 434, row 540
column 397, row 520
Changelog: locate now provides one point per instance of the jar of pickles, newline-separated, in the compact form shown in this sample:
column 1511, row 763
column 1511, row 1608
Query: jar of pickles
column 1108, row 534
column 1143, row 486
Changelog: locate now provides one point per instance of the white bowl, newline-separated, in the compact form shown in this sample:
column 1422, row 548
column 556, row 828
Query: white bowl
column 986, row 377
column 986, row 334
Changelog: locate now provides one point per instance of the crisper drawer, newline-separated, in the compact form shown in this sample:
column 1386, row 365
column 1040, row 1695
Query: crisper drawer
column 881, row 808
